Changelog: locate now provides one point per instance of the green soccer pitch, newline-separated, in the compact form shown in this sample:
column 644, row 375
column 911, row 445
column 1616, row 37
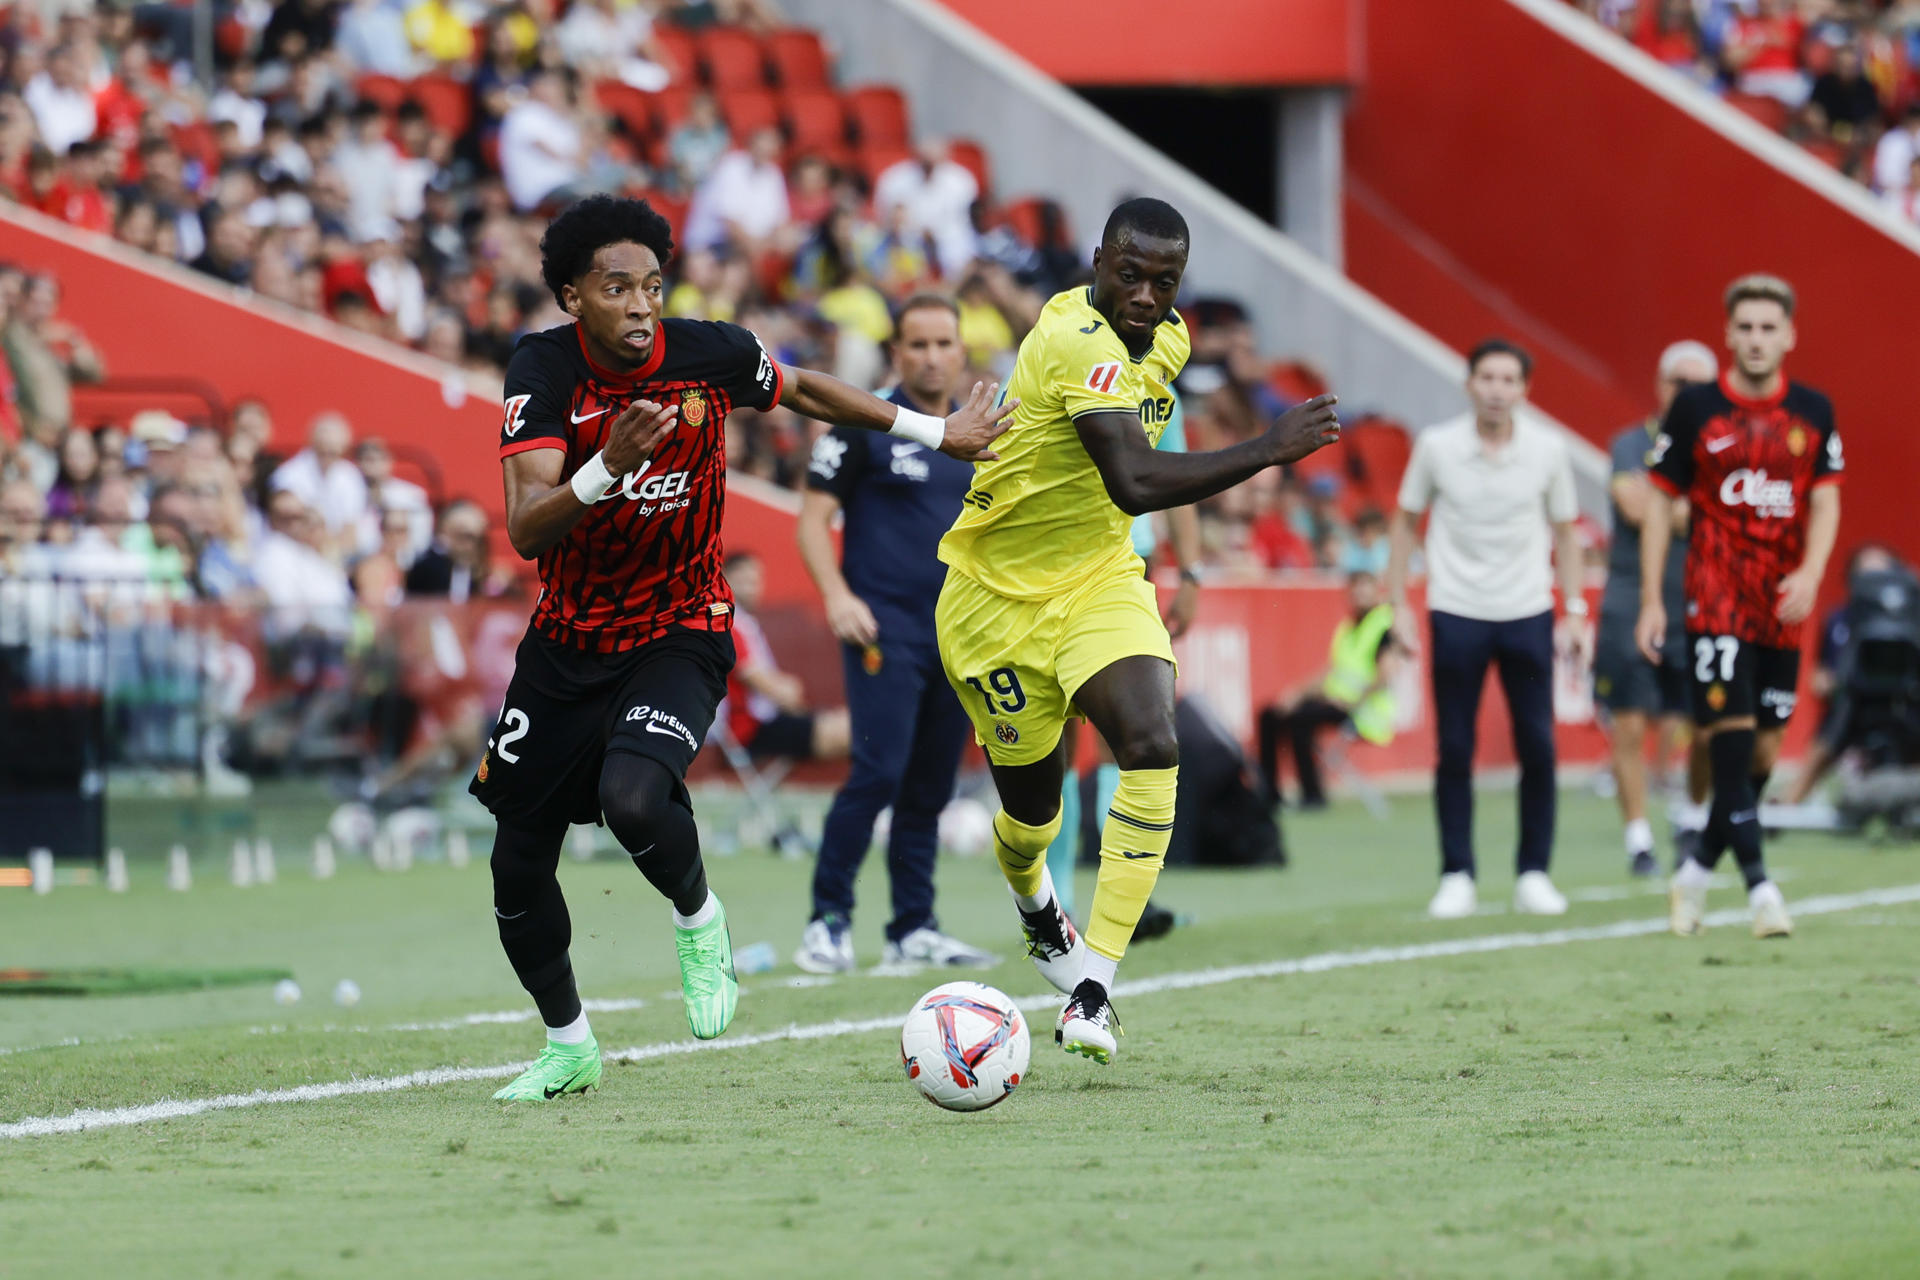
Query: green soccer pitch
column 1500, row 1096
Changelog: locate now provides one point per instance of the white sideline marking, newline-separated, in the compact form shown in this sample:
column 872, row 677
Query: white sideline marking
column 174, row 1109
column 514, row 1015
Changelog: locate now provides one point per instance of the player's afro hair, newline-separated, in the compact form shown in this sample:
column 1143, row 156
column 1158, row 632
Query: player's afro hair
column 587, row 226
column 1147, row 217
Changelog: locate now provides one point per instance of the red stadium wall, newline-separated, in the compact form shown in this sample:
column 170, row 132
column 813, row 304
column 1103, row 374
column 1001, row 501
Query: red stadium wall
column 1501, row 178
column 1200, row 42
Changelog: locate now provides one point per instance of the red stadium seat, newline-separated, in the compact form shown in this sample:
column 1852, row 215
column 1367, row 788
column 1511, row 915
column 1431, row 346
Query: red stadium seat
column 631, row 107
column 1376, row 451
column 733, row 59
column 747, row 111
column 195, row 141
column 447, row 102
column 386, row 92
column 972, row 157
column 680, row 50
column 1827, row 152
column 1022, row 217
column 670, row 106
column 799, row 60
column 1294, row 382
column 816, row 122
column 879, row 115
column 872, row 161
column 1770, row 112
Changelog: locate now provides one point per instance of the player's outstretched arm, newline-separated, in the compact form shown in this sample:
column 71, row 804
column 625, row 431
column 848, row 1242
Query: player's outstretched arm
column 541, row 508
column 964, row 434
column 1140, row 478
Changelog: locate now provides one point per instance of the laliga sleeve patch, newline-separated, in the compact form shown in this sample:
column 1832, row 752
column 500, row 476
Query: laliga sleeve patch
column 1104, row 377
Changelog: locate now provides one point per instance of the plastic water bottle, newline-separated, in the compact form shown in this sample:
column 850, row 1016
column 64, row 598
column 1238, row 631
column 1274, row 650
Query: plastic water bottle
column 759, row 957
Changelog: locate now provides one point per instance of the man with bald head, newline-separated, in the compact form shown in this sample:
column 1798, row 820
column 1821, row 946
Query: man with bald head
column 327, row 480
column 1631, row 691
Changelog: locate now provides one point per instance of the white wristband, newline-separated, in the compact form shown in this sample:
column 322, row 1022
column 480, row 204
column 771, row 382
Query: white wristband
column 921, row 428
column 592, row 480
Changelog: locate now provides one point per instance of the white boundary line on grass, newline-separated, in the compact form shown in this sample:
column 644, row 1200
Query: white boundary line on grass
column 174, row 1109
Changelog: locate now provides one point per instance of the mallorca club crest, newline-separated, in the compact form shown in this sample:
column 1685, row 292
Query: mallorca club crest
column 1797, row 441
column 1717, row 696
column 871, row 659
column 1006, row 733
column 481, row 772
column 693, row 408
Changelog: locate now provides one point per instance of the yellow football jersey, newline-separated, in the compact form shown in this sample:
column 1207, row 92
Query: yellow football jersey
column 1038, row 520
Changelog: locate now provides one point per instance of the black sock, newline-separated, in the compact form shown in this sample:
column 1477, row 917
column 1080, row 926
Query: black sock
column 1761, row 777
column 1736, row 810
column 531, row 914
column 645, row 809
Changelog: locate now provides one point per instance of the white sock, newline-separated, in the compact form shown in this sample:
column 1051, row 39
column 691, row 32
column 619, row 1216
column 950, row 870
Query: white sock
column 700, row 917
column 1044, row 897
column 1639, row 836
column 1689, row 816
column 1765, row 891
column 1692, row 875
column 575, row 1032
column 1100, row 969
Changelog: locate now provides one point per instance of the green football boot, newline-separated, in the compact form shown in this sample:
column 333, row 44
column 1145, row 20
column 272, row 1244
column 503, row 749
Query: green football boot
column 560, row 1068
column 706, row 974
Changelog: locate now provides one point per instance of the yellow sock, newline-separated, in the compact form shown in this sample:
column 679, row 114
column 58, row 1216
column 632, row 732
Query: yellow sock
column 1133, row 848
column 1022, row 851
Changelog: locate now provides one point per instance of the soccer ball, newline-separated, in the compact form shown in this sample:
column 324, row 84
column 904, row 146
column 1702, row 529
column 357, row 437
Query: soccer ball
column 965, row 1046
column 966, row 828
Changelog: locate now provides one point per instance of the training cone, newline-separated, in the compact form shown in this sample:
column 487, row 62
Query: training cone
column 179, row 869
column 240, row 870
column 116, row 871
column 40, row 862
column 458, row 855
column 264, row 871
column 323, row 861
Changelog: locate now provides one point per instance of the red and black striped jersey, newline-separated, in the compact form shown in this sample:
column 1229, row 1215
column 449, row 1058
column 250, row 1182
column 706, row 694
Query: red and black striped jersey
column 647, row 558
column 1746, row 467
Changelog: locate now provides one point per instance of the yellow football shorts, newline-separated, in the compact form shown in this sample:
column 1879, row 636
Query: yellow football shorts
column 1016, row 664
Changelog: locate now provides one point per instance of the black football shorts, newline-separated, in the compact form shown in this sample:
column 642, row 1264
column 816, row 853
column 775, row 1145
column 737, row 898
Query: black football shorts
column 1733, row 678
column 566, row 709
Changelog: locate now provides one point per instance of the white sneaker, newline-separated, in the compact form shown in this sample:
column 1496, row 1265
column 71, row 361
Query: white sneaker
column 1769, row 911
column 1687, row 904
column 1457, row 898
column 825, row 948
column 1534, row 895
column 930, row 946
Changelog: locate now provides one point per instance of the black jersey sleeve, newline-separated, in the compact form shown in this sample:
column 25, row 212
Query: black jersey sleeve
column 730, row 358
column 538, row 398
column 1670, row 464
column 1829, row 463
column 839, row 463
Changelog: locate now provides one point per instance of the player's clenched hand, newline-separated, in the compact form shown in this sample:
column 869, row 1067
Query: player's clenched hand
column 850, row 619
column 1304, row 428
column 1797, row 591
column 977, row 424
column 1650, row 632
column 635, row 434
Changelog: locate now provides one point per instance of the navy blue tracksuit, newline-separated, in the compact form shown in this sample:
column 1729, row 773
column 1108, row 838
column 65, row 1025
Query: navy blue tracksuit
column 908, row 727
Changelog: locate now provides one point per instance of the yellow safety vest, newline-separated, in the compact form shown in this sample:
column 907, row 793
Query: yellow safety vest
column 1351, row 668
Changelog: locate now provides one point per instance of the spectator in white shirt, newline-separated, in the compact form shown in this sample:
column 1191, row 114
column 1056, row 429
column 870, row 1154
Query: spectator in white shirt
column 372, row 36
column 1893, row 157
column 697, row 143
column 600, row 39
column 236, row 102
column 61, row 103
column 540, row 142
column 1500, row 490
column 388, row 494
column 743, row 202
column 938, row 196
column 304, row 588
column 370, row 165
column 323, row 478
column 396, row 282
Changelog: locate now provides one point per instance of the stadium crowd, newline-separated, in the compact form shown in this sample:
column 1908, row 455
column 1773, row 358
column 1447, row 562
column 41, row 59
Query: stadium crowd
column 1840, row 77
column 313, row 173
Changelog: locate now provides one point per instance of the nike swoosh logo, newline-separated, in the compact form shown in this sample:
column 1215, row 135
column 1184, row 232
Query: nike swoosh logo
column 670, row 733
column 1724, row 442
column 515, row 916
column 577, row 419
column 1744, row 816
